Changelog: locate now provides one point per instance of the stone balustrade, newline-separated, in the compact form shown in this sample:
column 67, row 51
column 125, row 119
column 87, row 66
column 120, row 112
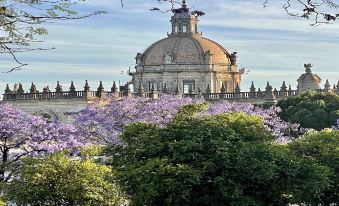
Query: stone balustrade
column 269, row 95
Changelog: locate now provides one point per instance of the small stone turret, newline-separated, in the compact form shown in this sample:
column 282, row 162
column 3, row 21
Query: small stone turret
column 252, row 91
column 20, row 89
column 33, row 90
column 308, row 80
column 58, row 88
column 222, row 91
column 283, row 89
column 270, row 98
column 327, row 86
column 72, row 88
column 208, row 89
column 86, row 87
column 114, row 88
column 237, row 88
column 100, row 90
column 7, row 90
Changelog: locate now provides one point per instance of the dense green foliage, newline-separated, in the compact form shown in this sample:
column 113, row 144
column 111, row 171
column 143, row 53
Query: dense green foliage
column 58, row 180
column 311, row 110
column 213, row 160
column 324, row 148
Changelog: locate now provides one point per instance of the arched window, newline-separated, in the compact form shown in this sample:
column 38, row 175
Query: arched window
column 184, row 28
column 176, row 29
column 49, row 115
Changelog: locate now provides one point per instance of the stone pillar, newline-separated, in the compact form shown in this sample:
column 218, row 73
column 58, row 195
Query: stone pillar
column 58, row 90
column 327, row 86
column 222, row 91
column 259, row 93
column 127, row 92
column 237, row 91
column 33, row 91
column 283, row 89
column 87, row 91
column 141, row 91
column 114, row 89
column 208, row 92
column 199, row 95
column 177, row 90
column 100, row 90
column 7, row 95
column 72, row 90
column 252, row 94
column 270, row 98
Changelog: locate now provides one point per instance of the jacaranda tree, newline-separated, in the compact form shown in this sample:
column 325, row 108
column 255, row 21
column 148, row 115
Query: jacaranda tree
column 105, row 122
column 24, row 135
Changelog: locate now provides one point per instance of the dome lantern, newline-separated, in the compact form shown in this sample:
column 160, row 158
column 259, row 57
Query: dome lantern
column 184, row 21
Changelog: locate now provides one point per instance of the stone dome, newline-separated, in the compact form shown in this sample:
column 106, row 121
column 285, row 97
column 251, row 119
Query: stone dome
column 190, row 49
column 308, row 80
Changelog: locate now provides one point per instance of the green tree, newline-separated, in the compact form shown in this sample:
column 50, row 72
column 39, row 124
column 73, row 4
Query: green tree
column 311, row 110
column 324, row 148
column 225, row 159
column 59, row 180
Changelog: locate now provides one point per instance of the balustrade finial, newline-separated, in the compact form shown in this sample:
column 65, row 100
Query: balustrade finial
column 268, row 88
column 7, row 90
column 208, row 89
column 20, row 89
column 58, row 88
column 223, row 88
column 237, row 88
column 252, row 88
column 86, row 87
column 33, row 89
column 101, row 87
column 114, row 88
column 327, row 85
column 72, row 87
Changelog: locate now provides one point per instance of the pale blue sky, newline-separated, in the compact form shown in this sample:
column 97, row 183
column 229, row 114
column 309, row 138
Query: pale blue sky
column 271, row 44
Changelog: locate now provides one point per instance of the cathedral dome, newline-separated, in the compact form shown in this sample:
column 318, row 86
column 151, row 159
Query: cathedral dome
column 190, row 49
column 185, row 45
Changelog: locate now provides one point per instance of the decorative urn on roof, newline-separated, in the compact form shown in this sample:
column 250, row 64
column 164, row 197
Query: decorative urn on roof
column 186, row 58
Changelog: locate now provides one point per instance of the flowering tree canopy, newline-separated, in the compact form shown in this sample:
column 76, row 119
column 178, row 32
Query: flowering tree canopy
column 22, row 135
column 106, row 122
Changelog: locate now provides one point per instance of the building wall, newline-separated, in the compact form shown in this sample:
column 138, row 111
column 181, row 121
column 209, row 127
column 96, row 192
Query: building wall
column 61, row 109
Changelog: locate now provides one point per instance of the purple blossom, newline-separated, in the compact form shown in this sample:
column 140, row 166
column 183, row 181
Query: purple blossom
column 23, row 135
column 105, row 122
